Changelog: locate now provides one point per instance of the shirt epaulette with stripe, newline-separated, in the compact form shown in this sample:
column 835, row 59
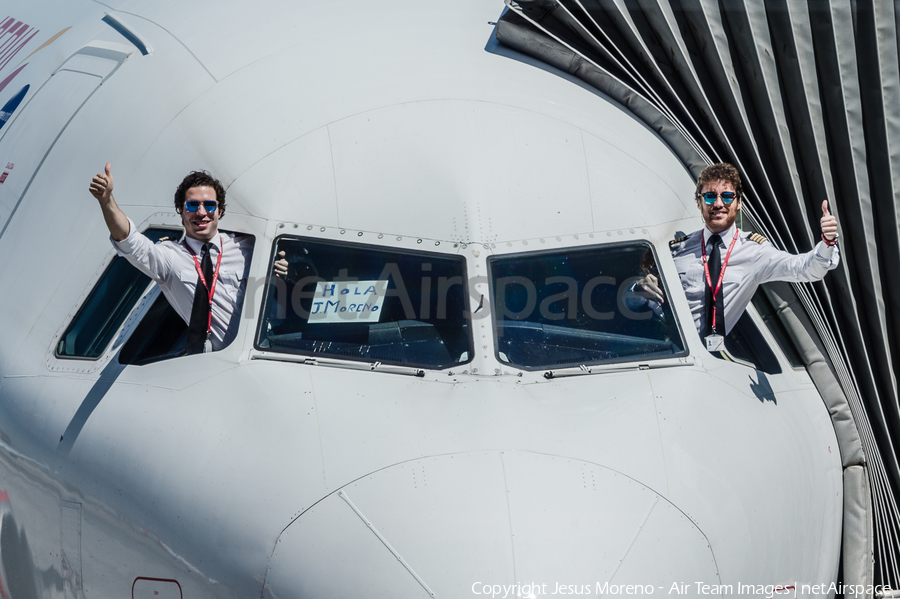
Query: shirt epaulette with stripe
column 757, row 238
column 679, row 240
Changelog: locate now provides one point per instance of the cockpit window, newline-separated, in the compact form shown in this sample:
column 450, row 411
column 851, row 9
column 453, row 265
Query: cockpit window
column 359, row 302
column 579, row 307
column 108, row 305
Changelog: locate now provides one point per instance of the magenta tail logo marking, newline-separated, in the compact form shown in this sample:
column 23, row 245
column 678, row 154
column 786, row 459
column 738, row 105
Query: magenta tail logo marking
column 13, row 37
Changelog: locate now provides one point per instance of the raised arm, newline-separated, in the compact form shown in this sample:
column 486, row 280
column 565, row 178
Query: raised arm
column 116, row 221
column 802, row 268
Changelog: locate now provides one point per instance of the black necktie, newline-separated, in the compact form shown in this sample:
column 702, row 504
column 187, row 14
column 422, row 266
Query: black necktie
column 199, row 324
column 715, row 267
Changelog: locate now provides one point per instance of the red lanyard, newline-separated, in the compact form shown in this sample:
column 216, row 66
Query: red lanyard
column 210, row 289
column 715, row 291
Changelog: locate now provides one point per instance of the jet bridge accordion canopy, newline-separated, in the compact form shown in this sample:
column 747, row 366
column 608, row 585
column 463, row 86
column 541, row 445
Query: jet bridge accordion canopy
column 804, row 98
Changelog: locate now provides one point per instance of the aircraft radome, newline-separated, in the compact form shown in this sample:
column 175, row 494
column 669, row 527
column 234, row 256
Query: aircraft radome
column 501, row 418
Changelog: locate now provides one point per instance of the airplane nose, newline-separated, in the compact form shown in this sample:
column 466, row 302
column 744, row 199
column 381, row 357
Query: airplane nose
column 468, row 524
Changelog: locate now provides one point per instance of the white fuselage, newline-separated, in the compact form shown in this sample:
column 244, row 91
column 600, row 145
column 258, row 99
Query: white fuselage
column 248, row 472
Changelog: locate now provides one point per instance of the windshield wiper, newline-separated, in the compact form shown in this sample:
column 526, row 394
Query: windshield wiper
column 309, row 361
column 606, row 368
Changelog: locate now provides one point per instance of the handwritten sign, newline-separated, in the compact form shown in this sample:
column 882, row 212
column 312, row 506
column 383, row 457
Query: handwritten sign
column 347, row 301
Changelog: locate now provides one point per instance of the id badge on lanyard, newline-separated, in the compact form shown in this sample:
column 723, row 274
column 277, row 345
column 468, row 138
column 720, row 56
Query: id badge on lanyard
column 716, row 342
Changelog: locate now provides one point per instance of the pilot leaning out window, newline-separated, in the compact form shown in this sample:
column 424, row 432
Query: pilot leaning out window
column 721, row 266
column 204, row 276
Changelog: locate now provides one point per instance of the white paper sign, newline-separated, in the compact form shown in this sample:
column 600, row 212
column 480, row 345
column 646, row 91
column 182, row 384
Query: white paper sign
column 347, row 301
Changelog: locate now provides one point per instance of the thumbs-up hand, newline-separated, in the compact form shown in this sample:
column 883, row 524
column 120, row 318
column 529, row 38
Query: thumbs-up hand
column 828, row 223
column 280, row 266
column 102, row 184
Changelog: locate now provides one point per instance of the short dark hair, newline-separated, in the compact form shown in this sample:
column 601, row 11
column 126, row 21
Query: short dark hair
column 721, row 172
column 200, row 179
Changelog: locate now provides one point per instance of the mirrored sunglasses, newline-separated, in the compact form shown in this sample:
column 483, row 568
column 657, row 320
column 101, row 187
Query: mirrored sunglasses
column 710, row 197
column 210, row 205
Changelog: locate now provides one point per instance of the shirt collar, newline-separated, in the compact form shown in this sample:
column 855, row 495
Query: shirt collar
column 726, row 235
column 197, row 245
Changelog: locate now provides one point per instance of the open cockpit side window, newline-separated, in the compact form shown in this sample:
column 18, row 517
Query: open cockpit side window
column 746, row 345
column 367, row 303
column 768, row 312
column 160, row 335
column 578, row 306
column 108, row 305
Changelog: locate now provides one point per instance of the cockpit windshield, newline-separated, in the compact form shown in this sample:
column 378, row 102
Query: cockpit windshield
column 369, row 303
column 580, row 306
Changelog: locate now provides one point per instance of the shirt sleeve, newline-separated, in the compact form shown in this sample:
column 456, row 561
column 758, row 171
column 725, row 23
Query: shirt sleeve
column 776, row 265
column 151, row 259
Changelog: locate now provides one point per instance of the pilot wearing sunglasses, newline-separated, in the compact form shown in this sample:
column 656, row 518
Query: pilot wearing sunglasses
column 721, row 267
column 203, row 276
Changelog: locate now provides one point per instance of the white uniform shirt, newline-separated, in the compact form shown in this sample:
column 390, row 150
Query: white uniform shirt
column 750, row 265
column 173, row 268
